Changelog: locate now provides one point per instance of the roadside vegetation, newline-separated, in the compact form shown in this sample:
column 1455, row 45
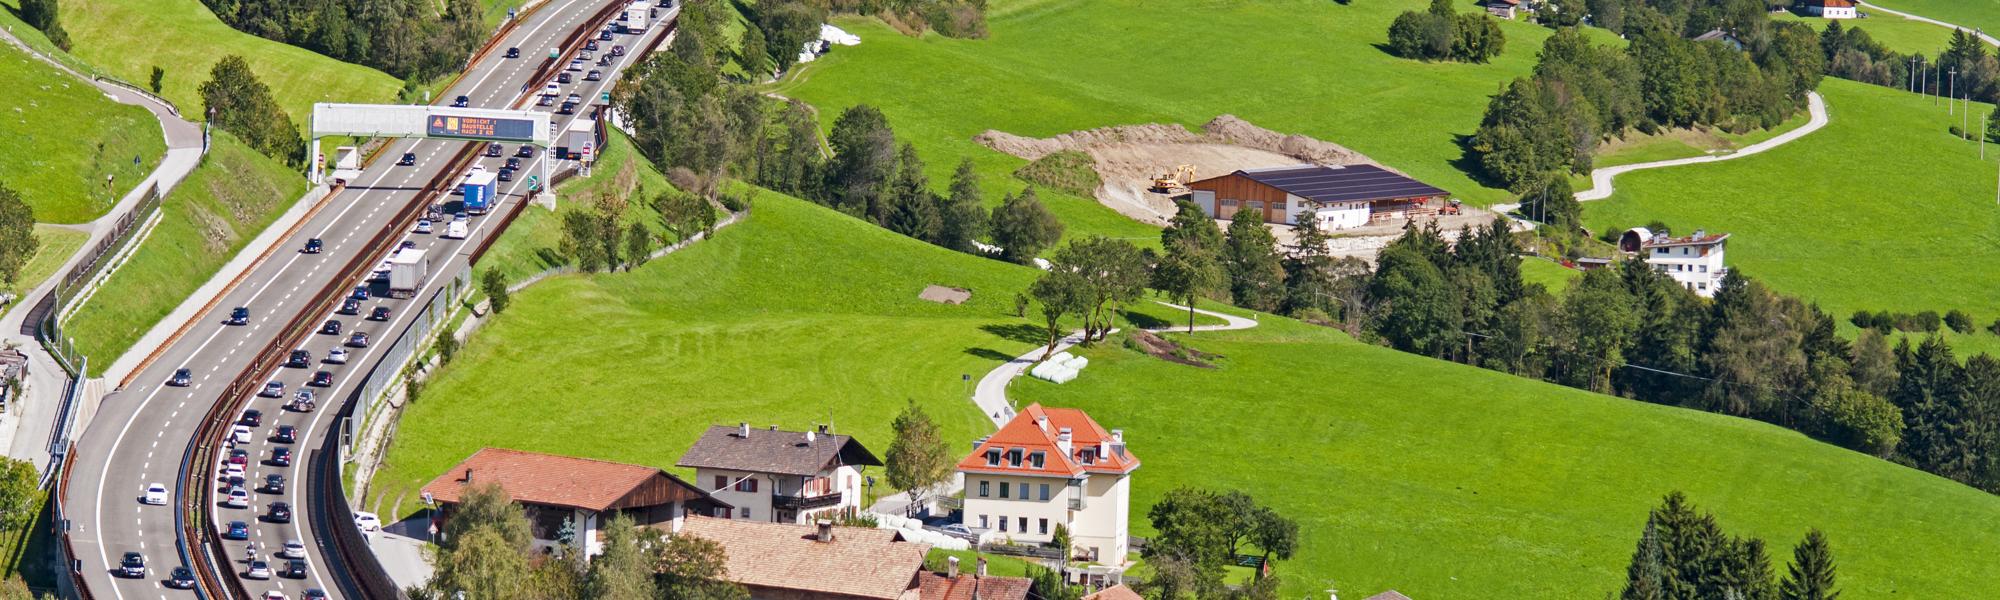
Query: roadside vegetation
column 54, row 245
column 67, row 149
column 410, row 39
column 1983, row 14
column 208, row 218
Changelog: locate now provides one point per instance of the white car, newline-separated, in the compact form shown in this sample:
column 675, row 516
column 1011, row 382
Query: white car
column 456, row 230
column 241, row 433
column 423, row 226
column 237, row 498
column 552, row 89
column 156, row 495
column 367, row 522
column 337, row 356
column 293, row 549
column 275, row 595
column 232, row 470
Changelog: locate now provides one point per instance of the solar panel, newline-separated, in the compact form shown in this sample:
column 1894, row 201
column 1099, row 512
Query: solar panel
column 1351, row 183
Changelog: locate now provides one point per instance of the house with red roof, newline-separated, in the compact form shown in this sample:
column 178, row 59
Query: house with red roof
column 1049, row 468
column 583, row 493
column 1830, row 9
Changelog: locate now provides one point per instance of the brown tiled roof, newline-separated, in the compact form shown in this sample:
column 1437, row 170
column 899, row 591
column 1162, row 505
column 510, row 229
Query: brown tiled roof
column 1116, row 592
column 773, row 451
column 859, row 562
column 1026, row 433
column 972, row 587
column 551, row 480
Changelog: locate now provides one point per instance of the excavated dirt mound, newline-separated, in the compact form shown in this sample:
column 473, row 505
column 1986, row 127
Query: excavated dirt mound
column 1165, row 349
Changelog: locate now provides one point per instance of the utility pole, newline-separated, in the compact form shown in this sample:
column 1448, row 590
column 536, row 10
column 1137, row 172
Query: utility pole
column 1913, row 72
column 1948, row 106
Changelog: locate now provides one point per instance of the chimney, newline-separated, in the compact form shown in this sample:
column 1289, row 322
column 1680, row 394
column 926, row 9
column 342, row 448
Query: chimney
column 1042, row 422
column 825, row 531
column 951, row 567
column 468, row 476
column 774, row 427
column 982, row 566
column 743, row 430
column 1063, row 441
column 1117, row 436
column 825, row 429
column 1103, row 449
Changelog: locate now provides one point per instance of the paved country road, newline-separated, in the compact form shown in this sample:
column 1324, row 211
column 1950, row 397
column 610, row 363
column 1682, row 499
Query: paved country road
column 991, row 395
column 1600, row 179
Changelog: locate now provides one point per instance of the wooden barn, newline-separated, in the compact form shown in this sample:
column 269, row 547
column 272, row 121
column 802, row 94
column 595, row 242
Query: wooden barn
column 1333, row 198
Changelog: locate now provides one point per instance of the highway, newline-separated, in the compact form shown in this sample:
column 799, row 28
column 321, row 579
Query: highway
column 141, row 433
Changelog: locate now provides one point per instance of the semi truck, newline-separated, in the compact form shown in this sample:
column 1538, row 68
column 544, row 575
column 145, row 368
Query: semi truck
column 582, row 134
column 407, row 270
column 478, row 190
column 636, row 14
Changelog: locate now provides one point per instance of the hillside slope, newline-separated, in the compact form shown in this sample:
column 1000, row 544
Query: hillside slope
column 60, row 138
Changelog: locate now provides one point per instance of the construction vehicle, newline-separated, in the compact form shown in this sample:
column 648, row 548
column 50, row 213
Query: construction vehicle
column 1450, row 208
column 1173, row 182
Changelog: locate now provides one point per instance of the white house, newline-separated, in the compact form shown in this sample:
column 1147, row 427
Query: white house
column 1052, row 467
column 1695, row 261
column 1831, row 9
column 780, row 476
column 577, row 494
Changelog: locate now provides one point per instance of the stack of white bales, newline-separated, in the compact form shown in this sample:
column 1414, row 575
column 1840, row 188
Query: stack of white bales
column 1060, row 368
column 913, row 530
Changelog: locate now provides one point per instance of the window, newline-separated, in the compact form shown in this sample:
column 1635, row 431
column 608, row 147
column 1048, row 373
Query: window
column 1229, row 202
column 748, row 484
column 1035, row 459
column 1045, row 526
column 1704, row 287
column 1088, row 456
column 1045, row 493
column 721, row 483
column 983, row 491
column 1003, row 489
column 1024, row 524
column 1704, row 268
column 1014, row 457
column 746, row 512
column 992, row 458
column 982, row 522
column 1003, row 523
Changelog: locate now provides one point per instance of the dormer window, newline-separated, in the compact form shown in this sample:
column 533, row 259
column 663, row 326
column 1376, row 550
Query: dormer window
column 992, row 458
column 1035, row 459
column 1014, row 457
column 1087, row 456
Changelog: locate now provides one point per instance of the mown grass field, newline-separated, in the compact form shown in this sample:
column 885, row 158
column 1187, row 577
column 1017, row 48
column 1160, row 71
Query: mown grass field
column 57, row 244
column 1049, row 67
column 1446, row 481
column 228, row 200
column 60, row 137
column 1899, row 34
column 127, row 38
column 528, row 247
column 1553, row 276
column 1964, row 13
column 1907, row 223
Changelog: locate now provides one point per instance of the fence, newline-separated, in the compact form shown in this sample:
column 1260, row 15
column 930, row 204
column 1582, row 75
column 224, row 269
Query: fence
column 46, row 316
column 410, row 343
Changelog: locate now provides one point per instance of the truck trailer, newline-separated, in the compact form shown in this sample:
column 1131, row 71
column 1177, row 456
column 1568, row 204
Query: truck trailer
column 636, row 15
column 407, row 270
column 478, row 189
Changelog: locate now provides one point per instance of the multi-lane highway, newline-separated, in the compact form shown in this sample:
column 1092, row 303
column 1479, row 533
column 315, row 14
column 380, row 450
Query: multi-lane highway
column 141, row 434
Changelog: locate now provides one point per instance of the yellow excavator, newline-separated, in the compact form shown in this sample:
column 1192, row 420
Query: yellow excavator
column 1174, row 181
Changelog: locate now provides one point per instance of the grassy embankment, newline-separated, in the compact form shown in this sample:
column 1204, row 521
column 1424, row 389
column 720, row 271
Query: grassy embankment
column 1899, row 34
column 228, row 200
column 1446, row 481
column 1964, row 13
column 60, row 137
column 58, row 243
column 1908, row 225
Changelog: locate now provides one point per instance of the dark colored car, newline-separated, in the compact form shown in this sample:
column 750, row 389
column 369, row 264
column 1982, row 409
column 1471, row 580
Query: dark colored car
column 182, row 377
column 349, row 307
column 134, row 565
column 493, row 150
column 513, row 53
column 593, row 75
column 604, row 36
column 239, row 456
column 274, row 484
column 513, row 162
column 281, row 512
column 546, row 100
column 238, row 530
column 360, row 293
column 330, row 327
column 295, row 569
column 358, row 340
column 567, row 108
column 286, row 434
column 525, row 151
column 281, row 457
column 407, row 245
column 604, row 61
column 563, row 77
column 314, row 594
column 409, row 159
column 461, row 102
column 239, row 316
column 381, row 313
column 313, row 246
column 590, row 45
column 618, row 50
column 300, row 359
column 506, row 174
column 182, row 579
column 252, row 418
column 321, row 379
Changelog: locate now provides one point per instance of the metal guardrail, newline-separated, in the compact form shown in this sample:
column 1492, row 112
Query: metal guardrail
column 46, row 316
column 142, row 91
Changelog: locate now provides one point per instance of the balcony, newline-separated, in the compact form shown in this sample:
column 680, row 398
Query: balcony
column 1076, row 503
column 782, row 502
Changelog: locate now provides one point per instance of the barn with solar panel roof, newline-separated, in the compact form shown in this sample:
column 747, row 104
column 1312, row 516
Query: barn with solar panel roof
column 1332, row 197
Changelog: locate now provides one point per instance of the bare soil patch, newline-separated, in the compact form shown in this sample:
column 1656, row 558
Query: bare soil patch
column 1164, row 349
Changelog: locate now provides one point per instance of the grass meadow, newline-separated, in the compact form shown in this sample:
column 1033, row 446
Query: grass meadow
column 1899, row 34
column 60, row 137
column 1447, row 481
column 228, row 200
column 57, row 243
column 1964, row 13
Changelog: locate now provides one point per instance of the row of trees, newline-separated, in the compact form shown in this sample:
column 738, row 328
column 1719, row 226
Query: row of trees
column 237, row 102
column 1545, row 127
column 950, row 18
column 42, row 15
column 1685, row 555
column 411, row 39
column 484, row 552
column 1929, row 321
column 18, row 242
column 1443, row 33
column 1199, row 532
column 1965, row 69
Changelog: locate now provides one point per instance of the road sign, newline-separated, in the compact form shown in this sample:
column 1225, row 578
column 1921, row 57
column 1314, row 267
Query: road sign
column 481, row 128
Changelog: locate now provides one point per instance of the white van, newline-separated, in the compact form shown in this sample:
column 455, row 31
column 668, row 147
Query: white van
column 456, row 230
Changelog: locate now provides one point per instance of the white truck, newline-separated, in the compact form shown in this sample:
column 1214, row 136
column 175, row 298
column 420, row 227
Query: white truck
column 582, row 134
column 407, row 270
column 636, row 15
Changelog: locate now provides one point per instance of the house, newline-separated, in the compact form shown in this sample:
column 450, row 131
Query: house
column 783, row 561
column 1048, row 468
column 13, row 368
column 1830, row 9
column 1116, row 592
column 1504, row 9
column 780, row 476
column 1333, row 198
column 582, row 492
column 1696, row 261
column 1721, row 35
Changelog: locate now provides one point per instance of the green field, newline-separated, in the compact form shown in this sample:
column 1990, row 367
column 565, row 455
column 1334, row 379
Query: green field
column 1963, row 13
column 228, row 200
column 1909, row 224
column 60, row 137
column 530, row 242
column 1295, row 66
column 58, row 243
column 1899, row 34
column 1553, row 277
column 1447, row 481
column 127, row 38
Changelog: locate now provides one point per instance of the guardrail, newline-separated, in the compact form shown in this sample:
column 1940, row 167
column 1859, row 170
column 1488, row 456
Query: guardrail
column 142, row 91
column 45, row 316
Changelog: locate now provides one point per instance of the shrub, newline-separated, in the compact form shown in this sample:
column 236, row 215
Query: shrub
column 1928, row 321
column 1862, row 319
column 1068, row 171
column 1958, row 321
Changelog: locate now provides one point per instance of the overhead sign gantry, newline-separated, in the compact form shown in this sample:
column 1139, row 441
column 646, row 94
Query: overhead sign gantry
column 424, row 121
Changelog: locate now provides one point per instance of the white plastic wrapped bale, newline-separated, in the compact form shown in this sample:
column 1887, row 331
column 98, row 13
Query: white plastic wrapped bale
column 920, row 535
column 1077, row 363
column 1061, row 358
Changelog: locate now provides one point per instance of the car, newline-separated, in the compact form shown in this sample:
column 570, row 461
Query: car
column 406, row 245
column 232, row 473
column 238, row 456
column 275, row 595
column 593, row 75
column 604, row 36
column 252, row 418
column 409, row 159
column 181, row 378
column 285, row 434
column 456, row 230
column 240, row 433
column 280, row 512
column 330, row 327
column 551, row 89
column 156, row 495
column 513, row 52
column 281, row 457
column 513, row 162
column 617, row 49
column 576, row 64
column 563, row 77
column 461, row 102
column 273, row 389
column 590, row 45
column 960, row 531
column 239, row 315
column 293, row 549
column 506, row 175
column 604, row 61
column 274, row 484
column 237, row 530
column 321, row 379
column 305, row 396
column 181, row 579
column 358, row 340
column 313, row 246
column 258, row 570
column 423, row 226
column 525, row 151
column 313, row 594
column 492, row 151
column 300, row 359
column 349, row 306
column 134, row 565
column 304, row 405
column 360, row 293
column 234, row 481
column 574, row 99
column 295, row 569
column 567, row 108
column 381, row 313
column 237, row 498
column 367, row 522
column 336, row 356
column 546, row 100
column 585, row 54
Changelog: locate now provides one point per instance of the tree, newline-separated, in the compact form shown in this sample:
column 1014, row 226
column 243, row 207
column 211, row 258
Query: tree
column 1553, row 203
column 580, row 241
column 485, row 506
column 18, row 242
column 240, row 104
column 19, row 487
column 625, row 570
column 756, row 57
column 483, row 564
column 1958, row 321
column 691, row 568
column 912, row 209
column 1522, row 138
column 1645, row 578
column 788, row 26
column 680, row 213
column 158, row 74
column 1108, row 273
column 864, row 159
column 1993, row 126
column 1603, row 318
column 1187, row 271
column 638, row 245
column 1250, row 256
column 1060, row 539
column 1415, row 309
column 1049, row 585
column 1191, row 225
column 962, row 215
column 918, row 459
column 1811, row 575
column 44, row 15
column 1024, row 228
column 1060, row 293
column 1873, row 366
column 494, row 283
